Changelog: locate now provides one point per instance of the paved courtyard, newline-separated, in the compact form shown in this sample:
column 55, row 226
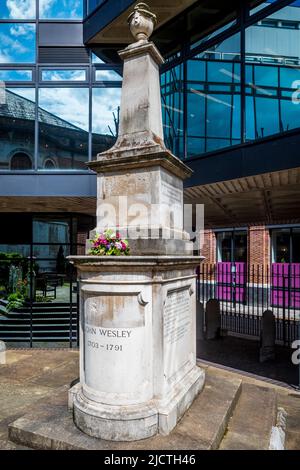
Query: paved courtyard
column 35, row 382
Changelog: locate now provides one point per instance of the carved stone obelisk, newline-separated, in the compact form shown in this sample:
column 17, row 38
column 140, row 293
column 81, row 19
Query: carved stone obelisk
column 138, row 372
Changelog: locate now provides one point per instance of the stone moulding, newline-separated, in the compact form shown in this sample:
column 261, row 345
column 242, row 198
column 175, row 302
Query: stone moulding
column 128, row 160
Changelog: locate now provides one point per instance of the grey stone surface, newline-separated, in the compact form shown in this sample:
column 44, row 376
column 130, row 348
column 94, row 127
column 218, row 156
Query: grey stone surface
column 213, row 319
column 50, row 425
column 253, row 420
column 268, row 337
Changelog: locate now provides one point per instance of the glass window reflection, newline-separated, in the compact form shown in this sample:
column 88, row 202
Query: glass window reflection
column 18, row 9
column 61, row 9
column 63, row 75
column 172, row 109
column 16, row 75
column 17, row 125
column 63, row 128
column 273, row 81
column 105, row 118
column 107, row 76
column 17, row 43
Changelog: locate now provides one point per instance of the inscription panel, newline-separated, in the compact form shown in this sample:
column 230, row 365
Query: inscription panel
column 177, row 330
column 115, row 357
column 170, row 194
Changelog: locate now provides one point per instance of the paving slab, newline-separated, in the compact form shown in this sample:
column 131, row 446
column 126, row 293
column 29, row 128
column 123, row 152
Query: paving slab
column 251, row 424
column 50, row 425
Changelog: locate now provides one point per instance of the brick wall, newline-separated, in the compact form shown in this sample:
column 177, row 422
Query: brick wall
column 258, row 245
column 81, row 239
column 209, row 247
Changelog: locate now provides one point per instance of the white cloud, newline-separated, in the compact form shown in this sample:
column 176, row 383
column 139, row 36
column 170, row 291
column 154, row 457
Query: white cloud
column 21, row 9
column 55, row 75
column 60, row 8
column 70, row 104
column 4, row 57
column 105, row 103
column 45, row 7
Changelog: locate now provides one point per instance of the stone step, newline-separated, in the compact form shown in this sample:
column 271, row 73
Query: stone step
column 8, row 445
column 49, row 425
column 251, row 424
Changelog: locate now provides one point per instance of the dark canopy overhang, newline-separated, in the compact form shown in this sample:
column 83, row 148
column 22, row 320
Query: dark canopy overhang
column 106, row 29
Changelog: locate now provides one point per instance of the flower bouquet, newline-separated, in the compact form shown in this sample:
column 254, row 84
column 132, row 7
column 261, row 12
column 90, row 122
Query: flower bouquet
column 109, row 243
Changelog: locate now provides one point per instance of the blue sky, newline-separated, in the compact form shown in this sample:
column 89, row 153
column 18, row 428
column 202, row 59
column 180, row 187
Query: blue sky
column 17, row 43
column 25, row 9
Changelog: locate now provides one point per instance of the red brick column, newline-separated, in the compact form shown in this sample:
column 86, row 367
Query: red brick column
column 208, row 249
column 81, row 238
column 258, row 245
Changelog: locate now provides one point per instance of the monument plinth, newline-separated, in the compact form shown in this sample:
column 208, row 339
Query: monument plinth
column 138, row 372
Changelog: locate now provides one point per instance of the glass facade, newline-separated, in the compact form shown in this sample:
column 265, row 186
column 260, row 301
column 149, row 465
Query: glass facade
column 237, row 85
column 53, row 117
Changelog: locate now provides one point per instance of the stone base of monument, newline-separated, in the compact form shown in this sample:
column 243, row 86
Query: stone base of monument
column 131, row 423
column 138, row 345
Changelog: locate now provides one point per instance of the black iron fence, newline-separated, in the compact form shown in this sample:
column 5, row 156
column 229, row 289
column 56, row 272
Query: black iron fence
column 39, row 296
column 246, row 291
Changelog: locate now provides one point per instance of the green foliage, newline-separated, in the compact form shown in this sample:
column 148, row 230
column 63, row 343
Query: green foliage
column 8, row 259
column 15, row 300
column 42, row 299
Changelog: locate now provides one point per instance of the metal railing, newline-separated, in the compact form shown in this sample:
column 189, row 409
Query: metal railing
column 246, row 291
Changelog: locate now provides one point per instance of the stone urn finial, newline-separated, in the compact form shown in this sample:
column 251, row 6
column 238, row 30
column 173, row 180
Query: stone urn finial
column 142, row 22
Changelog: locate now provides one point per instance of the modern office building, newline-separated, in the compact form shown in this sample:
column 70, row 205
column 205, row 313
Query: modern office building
column 231, row 109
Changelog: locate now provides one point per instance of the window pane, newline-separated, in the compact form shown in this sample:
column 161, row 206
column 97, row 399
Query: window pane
column 63, row 75
column 270, row 40
column 63, row 128
column 51, row 231
column 282, row 246
column 273, row 40
column 107, row 76
column 213, row 105
column 16, row 75
column 61, row 9
column 17, row 43
column 17, row 9
column 172, row 109
column 225, row 246
column 105, row 118
column 229, row 49
column 215, row 33
column 17, row 117
column 296, row 245
column 240, row 247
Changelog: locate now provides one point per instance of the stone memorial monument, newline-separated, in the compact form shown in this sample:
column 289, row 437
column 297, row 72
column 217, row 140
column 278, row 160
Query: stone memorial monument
column 138, row 372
